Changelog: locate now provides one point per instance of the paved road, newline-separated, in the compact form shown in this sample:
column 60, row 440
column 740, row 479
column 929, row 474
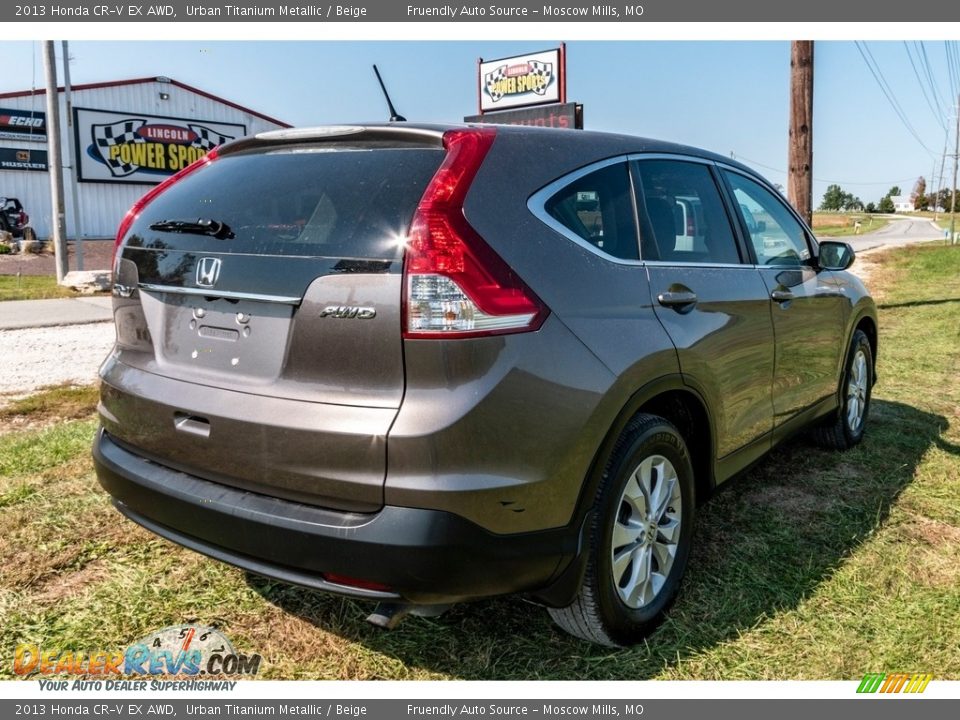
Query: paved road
column 19, row 314
column 900, row 231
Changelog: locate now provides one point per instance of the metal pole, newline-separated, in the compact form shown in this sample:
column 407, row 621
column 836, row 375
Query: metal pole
column 72, row 149
column 800, row 155
column 953, row 193
column 56, row 159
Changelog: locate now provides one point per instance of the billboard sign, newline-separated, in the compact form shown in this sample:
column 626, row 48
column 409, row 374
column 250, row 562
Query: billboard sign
column 140, row 148
column 522, row 80
column 23, row 125
column 22, row 159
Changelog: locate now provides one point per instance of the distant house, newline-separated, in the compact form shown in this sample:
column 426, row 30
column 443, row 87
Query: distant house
column 901, row 203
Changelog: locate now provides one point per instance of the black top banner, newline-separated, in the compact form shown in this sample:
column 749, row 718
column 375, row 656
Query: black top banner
column 22, row 124
column 504, row 11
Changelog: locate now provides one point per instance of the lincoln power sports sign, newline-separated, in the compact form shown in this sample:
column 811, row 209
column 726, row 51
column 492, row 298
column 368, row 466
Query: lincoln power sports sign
column 532, row 79
column 140, row 148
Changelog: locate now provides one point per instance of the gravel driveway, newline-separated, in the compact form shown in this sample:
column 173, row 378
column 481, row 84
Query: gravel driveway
column 36, row 357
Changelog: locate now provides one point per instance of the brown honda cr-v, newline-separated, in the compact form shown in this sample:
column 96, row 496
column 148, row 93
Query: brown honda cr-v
column 424, row 364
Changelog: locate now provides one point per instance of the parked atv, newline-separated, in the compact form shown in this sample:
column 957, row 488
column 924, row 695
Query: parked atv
column 13, row 220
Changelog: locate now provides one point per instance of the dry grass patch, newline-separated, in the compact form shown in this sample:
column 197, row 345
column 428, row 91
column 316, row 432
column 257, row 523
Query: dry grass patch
column 48, row 406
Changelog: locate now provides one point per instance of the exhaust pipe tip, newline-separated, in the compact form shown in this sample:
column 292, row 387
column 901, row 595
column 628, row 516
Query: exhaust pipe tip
column 389, row 615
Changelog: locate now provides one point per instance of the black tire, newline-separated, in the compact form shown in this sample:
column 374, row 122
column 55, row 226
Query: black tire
column 601, row 613
column 844, row 429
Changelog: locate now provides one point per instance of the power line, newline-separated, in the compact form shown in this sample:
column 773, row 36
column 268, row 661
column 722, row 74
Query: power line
column 921, row 50
column 888, row 92
column 950, row 73
column 737, row 156
column 938, row 116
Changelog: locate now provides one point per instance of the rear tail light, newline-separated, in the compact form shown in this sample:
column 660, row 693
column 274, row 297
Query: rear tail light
column 24, row 219
column 455, row 285
column 152, row 193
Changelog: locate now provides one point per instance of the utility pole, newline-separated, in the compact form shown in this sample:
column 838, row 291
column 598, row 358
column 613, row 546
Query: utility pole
column 72, row 149
column 953, row 188
column 55, row 160
column 800, row 154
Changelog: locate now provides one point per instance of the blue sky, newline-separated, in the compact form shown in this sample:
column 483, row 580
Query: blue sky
column 723, row 96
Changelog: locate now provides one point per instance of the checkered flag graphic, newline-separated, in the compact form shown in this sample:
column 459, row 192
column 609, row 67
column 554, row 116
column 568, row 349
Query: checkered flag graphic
column 118, row 133
column 491, row 79
column 543, row 70
column 208, row 139
column 534, row 68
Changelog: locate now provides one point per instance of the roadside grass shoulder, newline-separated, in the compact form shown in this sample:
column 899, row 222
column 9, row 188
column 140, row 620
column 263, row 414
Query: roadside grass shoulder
column 32, row 287
column 815, row 565
column 844, row 224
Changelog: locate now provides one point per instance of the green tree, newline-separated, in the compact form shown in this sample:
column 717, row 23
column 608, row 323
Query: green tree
column 886, row 204
column 871, row 208
column 944, row 197
column 833, row 198
column 852, row 203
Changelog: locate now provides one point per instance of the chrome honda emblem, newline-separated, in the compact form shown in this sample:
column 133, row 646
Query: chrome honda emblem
column 208, row 270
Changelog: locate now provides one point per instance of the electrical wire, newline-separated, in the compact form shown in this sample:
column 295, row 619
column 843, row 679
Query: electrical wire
column 742, row 158
column 943, row 106
column 877, row 73
column 938, row 116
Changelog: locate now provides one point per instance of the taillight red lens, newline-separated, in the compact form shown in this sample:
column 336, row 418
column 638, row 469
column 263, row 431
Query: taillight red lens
column 455, row 285
column 152, row 193
column 355, row 582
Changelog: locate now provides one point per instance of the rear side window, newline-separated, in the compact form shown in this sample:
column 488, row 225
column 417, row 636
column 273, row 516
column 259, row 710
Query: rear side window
column 683, row 218
column 343, row 203
column 597, row 208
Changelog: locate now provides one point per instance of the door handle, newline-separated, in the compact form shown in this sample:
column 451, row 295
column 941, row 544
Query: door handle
column 679, row 300
column 782, row 296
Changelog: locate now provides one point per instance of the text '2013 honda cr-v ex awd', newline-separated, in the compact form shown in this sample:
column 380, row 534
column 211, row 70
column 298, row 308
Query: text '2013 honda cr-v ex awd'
column 425, row 364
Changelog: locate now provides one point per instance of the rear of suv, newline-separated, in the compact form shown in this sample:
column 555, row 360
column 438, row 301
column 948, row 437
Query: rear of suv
column 427, row 364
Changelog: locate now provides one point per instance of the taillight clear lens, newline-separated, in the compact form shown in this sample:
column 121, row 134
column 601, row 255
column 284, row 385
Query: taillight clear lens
column 455, row 284
column 436, row 304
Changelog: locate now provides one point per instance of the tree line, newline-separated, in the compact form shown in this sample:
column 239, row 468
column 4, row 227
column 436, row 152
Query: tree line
column 836, row 199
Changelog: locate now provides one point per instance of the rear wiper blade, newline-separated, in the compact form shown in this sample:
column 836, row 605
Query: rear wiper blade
column 200, row 226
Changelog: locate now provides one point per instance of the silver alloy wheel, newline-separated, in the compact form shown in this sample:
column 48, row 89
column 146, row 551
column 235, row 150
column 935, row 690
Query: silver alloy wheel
column 646, row 531
column 857, row 391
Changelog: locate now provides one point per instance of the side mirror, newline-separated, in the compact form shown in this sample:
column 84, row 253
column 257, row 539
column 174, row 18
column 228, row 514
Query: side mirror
column 835, row 255
column 761, row 226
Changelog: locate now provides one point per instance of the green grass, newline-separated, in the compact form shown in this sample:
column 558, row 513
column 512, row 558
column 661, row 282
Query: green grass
column 844, row 224
column 816, row 565
column 32, row 287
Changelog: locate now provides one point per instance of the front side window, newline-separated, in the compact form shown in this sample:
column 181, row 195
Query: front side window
column 776, row 235
column 682, row 214
column 598, row 210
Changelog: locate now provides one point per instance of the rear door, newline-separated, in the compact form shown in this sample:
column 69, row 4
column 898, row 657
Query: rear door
column 806, row 303
column 263, row 297
column 714, row 306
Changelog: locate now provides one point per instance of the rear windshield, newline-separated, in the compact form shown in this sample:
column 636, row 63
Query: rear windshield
column 344, row 203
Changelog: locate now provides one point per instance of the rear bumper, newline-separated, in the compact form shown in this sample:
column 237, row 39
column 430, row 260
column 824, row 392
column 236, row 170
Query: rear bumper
column 423, row 556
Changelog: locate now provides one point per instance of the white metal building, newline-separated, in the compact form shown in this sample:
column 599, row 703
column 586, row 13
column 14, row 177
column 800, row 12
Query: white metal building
column 120, row 138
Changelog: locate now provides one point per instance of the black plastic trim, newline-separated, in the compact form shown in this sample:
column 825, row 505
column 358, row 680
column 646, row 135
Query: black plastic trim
column 424, row 556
